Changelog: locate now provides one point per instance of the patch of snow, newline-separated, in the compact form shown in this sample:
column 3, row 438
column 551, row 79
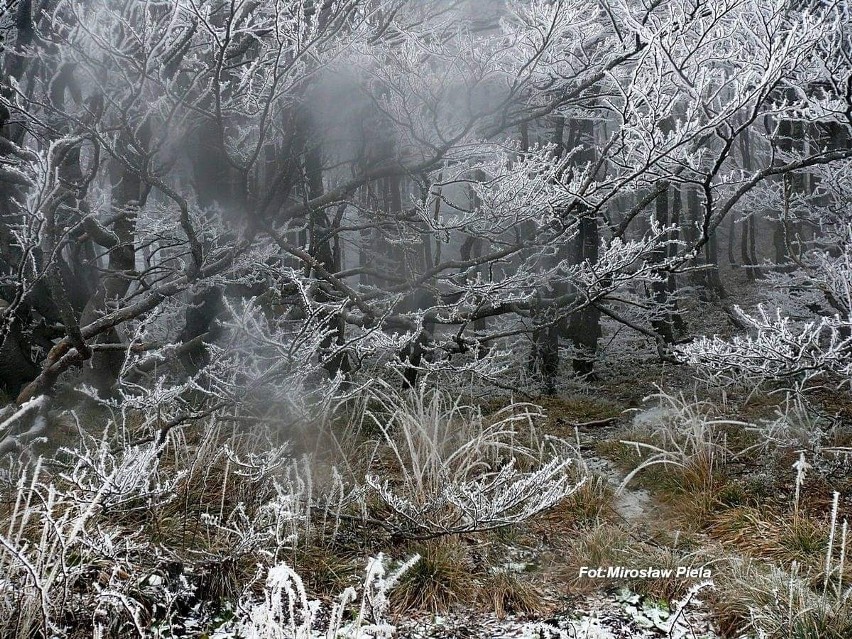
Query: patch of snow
column 630, row 503
column 626, row 615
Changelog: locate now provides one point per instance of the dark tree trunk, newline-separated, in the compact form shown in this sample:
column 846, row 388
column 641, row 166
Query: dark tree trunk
column 543, row 362
column 128, row 195
column 583, row 327
column 748, row 244
column 709, row 276
column 713, row 278
column 787, row 230
column 748, row 247
column 675, row 217
column 324, row 249
column 19, row 334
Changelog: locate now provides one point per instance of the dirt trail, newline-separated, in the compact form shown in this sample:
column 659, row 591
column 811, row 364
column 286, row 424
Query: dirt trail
column 632, row 504
column 635, row 505
column 621, row 614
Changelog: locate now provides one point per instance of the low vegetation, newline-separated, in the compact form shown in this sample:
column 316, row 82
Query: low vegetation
column 218, row 531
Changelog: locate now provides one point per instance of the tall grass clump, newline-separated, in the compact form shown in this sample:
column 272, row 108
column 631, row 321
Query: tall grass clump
column 684, row 436
column 438, row 466
column 794, row 597
column 63, row 562
column 119, row 535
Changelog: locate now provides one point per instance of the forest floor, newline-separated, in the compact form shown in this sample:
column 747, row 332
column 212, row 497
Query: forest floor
column 610, row 612
column 748, row 492
column 732, row 515
column 547, row 556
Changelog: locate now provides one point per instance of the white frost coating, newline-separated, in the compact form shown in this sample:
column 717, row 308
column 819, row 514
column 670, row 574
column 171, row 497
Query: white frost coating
column 780, row 349
column 288, row 613
column 490, row 501
column 26, row 407
column 810, row 338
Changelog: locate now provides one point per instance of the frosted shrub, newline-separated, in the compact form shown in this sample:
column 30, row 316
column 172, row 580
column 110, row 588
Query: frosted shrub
column 58, row 561
column 454, row 471
column 128, row 476
column 779, row 349
column 76, row 553
column 492, row 500
column 799, row 344
column 287, row 612
column 295, row 512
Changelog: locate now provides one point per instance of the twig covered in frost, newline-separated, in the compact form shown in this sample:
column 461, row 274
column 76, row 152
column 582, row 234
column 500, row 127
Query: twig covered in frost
column 287, row 612
column 680, row 605
column 10, row 441
column 493, row 500
column 779, row 349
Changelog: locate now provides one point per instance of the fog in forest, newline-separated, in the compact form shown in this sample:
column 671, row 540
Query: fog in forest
column 425, row 318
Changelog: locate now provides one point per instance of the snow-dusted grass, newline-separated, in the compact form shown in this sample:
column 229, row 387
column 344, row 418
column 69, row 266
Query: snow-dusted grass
column 223, row 526
column 287, row 611
column 790, row 599
column 61, row 556
column 440, row 467
column 684, row 436
column 111, row 538
column 226, row 529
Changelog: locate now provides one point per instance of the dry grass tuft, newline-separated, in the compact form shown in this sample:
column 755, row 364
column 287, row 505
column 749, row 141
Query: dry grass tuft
column 441, row 579
column 590, row 505
column 778, row 604
column 509, row 593
column 780, row 539
column 600, row 545
column 608, row 545
column 326, row 570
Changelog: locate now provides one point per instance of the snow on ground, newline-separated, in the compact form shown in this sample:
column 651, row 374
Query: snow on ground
column 622, row 615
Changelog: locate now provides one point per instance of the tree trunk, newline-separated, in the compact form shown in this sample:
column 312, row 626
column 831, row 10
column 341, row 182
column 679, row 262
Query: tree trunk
column 748, row 243
column 322, row 237
column 128, row 194
column 583, row 327
column 663, row 324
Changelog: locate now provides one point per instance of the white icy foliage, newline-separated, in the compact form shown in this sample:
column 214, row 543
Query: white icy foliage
column 45, row 574
column 120, row 477
column 778, row 349
column 458, row 472
column 808, row 339
column 491, row 500
column 287, row 612
column 431, row 96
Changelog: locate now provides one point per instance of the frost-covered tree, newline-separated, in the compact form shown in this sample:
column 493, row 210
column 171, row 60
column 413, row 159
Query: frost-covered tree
column 426, row 186
column 800, row 334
